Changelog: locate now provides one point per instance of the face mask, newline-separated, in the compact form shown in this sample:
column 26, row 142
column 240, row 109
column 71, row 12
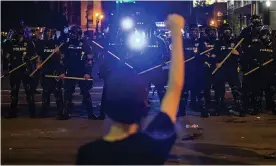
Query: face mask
column 227, row 33
column 256, row 22
column 265, row 38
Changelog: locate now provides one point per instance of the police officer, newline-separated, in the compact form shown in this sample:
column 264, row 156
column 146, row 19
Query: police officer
column 54, row 66
column 267, row 73
column 36, row 78
column 78, row 63
column 191, row 45
column 20, row 51
column 157, row 50
column 208, row 42
column 228, row 71
column 249, row 48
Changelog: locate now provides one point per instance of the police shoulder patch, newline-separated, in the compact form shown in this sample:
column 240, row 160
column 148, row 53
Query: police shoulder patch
column 232, row 44
column 80, row 44
column 25, row 44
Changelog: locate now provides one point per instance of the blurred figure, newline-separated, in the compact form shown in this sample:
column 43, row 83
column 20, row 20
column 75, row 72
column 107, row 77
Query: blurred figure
column 126, row 95
column 191, row 50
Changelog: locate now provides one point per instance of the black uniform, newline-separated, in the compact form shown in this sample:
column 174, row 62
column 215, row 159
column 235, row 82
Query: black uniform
column 36, row 77
column 190, row 50
column 264, row 78
column 228, row 72
column 20, row 52
column 249, row 48
column 154, row 55
column 78, row 62
column 54, row 66
column 209, row 68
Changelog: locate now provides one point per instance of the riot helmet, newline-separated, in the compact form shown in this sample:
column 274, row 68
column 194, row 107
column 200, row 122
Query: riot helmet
column 75, row 33
column 211, row 32
column 49, row 33
column 256, row 21
column 265, row 35
column 225, row 31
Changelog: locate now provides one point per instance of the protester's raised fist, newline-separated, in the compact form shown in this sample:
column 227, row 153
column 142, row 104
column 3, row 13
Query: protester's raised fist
column 175, row 22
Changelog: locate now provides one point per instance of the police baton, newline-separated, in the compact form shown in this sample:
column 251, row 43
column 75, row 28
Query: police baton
column 216, row 69
column 45, row 61
column 256, row 68
column 18, row 67
column 110, row 53
column 168, row 62
column 69, row 78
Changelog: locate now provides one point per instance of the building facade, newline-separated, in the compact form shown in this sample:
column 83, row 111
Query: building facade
column 239, row 13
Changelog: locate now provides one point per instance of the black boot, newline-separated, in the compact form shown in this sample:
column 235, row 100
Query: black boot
column 161, row 94
column 239, row 108
column 31, row 106
column 12, row 113
column 45, row 105
column 219, row 106
column 257, row 106
column 64, row 113
column 182, row 106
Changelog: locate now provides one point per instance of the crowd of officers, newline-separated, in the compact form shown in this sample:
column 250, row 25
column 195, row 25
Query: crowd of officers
column 68, row 56
column 204, row 53
column 213, row 70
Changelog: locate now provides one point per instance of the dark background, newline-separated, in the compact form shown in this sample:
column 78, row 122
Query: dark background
column 38, row 13
column 32, row 12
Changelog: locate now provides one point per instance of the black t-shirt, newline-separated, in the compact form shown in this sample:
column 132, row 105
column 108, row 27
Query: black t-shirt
column 148, row 147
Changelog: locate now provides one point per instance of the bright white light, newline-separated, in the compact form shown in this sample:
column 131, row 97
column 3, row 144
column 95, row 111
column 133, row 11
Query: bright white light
column 127, row 23
column 268, row 3
column 137, row 40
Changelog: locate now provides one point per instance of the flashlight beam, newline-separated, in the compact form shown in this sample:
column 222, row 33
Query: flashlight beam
column 109, row 52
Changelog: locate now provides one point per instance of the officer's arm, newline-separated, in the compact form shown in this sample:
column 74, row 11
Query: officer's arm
column 63, row 59
column 61, row 69
column 89, row 64
column 38, row 50
column 31, row 49
column 88, row 57
column 8, row 56
column 171, row 99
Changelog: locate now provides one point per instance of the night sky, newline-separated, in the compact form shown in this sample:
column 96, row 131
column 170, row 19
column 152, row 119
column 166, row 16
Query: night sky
column 39, row 14
column 33, row 13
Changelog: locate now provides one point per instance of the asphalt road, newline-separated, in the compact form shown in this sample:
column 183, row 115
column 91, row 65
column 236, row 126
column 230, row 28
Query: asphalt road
column 226, row 139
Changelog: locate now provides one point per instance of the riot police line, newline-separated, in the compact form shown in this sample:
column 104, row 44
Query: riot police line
column 254, row 56
column 55, row 61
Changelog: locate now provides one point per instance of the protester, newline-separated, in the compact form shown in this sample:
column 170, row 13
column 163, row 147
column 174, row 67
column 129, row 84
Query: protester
column 124, row 143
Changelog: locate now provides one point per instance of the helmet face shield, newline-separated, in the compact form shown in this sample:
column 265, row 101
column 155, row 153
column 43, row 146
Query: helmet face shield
column 49, row 34
column 265, row 36
column 211, row 32
column 225, row 31
column 194, row 33
column 256, row 20
column 75, row 33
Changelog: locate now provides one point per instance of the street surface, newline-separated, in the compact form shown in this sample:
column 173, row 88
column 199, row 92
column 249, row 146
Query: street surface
column 225, row 140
